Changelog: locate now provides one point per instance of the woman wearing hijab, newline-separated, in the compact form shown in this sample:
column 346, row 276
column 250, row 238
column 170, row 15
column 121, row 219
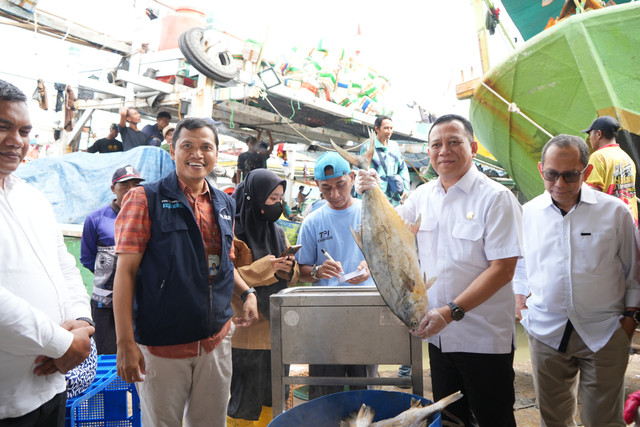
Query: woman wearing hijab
column 258, row 245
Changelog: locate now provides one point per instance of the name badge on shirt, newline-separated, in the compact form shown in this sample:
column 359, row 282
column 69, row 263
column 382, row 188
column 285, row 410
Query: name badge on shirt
column 213, row 262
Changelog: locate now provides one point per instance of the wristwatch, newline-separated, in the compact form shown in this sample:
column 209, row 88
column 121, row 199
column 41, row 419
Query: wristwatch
column 314, row 271
column 89, row 321
column 635, row 315
column 246, row 293
column 456, row 312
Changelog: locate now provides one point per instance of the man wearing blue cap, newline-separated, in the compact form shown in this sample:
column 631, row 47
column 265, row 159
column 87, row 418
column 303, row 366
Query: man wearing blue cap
column 328, row 229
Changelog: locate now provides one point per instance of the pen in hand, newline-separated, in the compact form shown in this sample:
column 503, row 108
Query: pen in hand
column 326, row 254
column 333, row 272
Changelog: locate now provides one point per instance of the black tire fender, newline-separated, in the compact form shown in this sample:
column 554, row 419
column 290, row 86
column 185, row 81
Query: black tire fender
column 210, row 61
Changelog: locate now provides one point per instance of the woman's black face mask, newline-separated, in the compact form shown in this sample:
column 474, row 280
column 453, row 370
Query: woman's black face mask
column 272, row 212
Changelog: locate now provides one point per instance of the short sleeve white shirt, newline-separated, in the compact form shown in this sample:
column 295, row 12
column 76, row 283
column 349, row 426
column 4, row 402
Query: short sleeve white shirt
column 476, row 221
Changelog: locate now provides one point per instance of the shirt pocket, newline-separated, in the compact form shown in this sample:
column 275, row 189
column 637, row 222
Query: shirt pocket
column 427, row 238
column 171, row 226
column 468, row 244
column 595, row 252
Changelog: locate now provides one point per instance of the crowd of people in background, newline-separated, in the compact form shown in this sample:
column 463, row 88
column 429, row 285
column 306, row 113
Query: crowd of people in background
column 183, row 273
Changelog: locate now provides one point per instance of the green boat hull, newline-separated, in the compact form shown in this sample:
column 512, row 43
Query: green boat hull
column 563, row 78
column 531, row 17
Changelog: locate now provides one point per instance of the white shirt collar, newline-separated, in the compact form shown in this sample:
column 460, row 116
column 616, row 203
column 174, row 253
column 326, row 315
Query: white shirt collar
column 466, row 182
column 10, row 181
column 586, row 196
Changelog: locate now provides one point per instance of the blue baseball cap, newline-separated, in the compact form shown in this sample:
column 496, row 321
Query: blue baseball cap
column 331, row 159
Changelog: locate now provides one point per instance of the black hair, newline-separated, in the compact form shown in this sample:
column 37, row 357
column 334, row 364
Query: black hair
column 301, row 190
column 609, row 133
column 251, row 140
column 162, row 114
column 191, row 123
column 451, row 117
column 113, row 127
column 379, row 120
column 329, row 170
column 564, row 140
column 9, row 92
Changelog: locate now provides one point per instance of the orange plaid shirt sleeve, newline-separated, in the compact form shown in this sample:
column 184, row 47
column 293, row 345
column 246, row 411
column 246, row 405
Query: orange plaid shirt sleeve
column 133, row 224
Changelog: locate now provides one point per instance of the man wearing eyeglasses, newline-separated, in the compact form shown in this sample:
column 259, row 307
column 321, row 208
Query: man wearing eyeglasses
column 580, row 269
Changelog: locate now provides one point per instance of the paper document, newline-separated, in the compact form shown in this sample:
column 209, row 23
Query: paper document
column 343, row 278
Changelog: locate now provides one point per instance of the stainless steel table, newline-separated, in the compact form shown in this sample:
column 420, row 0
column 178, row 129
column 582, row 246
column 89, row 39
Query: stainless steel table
column 338, row 325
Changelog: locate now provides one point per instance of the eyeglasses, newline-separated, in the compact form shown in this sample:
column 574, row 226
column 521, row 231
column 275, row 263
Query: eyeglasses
column 569, row 177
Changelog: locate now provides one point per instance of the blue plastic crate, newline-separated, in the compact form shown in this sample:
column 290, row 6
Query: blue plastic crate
column 109, row 401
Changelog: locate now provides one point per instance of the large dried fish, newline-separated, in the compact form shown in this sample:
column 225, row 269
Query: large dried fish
column 390, row 250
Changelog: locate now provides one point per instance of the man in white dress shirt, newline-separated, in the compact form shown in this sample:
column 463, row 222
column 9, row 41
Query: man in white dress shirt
column 44, row 307
column 581, row 256
column 469, row 238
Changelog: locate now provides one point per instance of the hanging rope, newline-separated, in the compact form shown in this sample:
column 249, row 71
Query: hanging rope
column 67, row 33
column 264, row 96
column 231, row 124
column 293, row 110
column 513, row 108
column 417, row 171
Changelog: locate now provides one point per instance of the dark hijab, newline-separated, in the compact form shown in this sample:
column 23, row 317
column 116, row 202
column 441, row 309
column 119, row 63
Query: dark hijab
column 263, row 237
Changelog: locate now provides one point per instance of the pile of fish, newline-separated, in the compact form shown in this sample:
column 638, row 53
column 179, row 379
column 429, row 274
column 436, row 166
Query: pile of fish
column 390, row 250
column 416, row 416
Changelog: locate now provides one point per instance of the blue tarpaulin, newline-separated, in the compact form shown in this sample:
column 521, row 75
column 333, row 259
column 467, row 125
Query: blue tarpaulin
column 79, row 183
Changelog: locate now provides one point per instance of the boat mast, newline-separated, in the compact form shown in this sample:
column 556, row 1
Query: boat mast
column 482, row 35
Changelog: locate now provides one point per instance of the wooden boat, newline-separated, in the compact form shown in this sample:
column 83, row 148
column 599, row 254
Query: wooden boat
column 585, row 66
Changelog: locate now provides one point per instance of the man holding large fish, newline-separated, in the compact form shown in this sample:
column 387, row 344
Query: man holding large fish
column 468, row 241
column 329, row 256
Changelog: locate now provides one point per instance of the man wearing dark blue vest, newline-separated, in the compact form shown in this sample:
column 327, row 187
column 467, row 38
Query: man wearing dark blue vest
column 173, row 287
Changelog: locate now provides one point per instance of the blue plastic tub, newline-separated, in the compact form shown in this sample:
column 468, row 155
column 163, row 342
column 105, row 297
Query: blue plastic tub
column 329, row 410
